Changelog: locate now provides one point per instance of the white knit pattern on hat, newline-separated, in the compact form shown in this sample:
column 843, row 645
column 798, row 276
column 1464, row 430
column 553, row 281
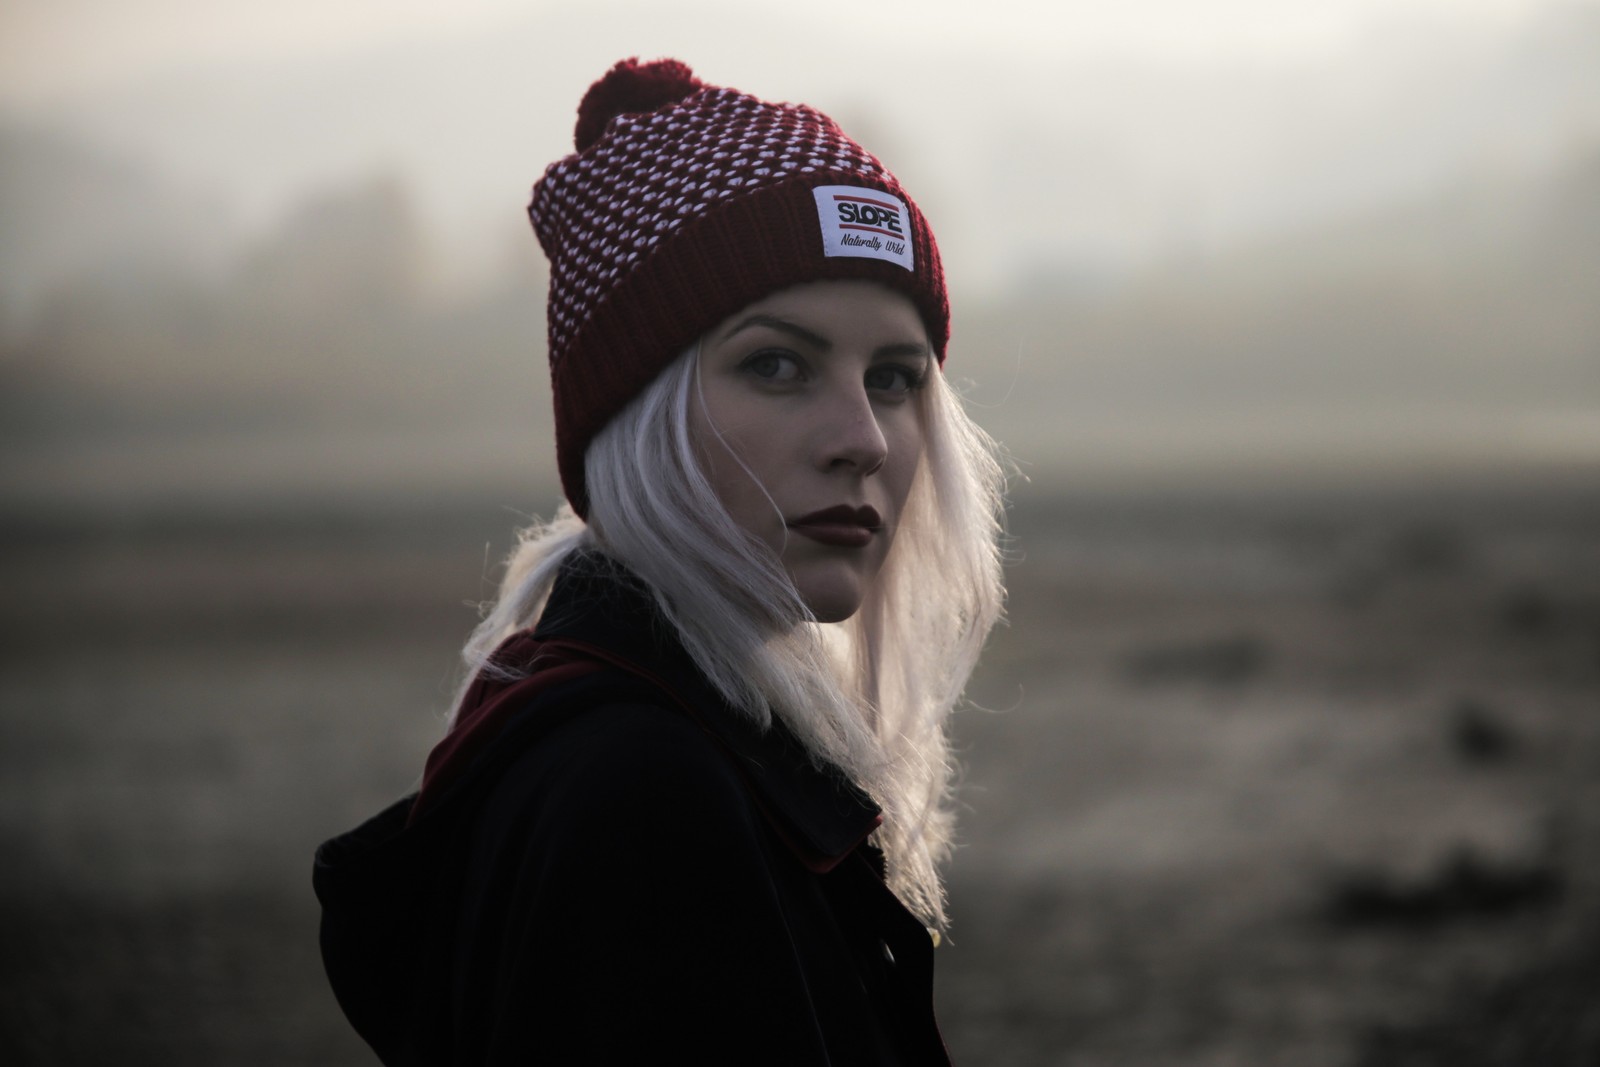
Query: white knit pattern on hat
column 599, row 212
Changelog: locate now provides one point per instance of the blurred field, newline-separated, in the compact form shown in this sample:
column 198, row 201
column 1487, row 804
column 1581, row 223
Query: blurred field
column 1264, row 780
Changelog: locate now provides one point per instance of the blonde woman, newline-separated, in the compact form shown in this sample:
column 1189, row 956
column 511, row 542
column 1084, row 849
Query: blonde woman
column 694, row 798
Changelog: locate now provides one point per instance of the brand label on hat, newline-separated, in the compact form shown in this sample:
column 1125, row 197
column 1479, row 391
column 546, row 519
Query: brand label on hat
column 864, row 222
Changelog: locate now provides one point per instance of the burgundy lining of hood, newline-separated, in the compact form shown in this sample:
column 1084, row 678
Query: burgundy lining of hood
column 490, row 702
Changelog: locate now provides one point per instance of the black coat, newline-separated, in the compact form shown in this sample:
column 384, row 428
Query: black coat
column 629, row 873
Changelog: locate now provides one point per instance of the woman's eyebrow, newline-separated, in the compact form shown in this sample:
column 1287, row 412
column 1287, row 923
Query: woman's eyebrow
column 816, row 341
column 904, row 348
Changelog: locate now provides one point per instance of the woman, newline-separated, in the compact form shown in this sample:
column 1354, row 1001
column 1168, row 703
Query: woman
column 692, row 803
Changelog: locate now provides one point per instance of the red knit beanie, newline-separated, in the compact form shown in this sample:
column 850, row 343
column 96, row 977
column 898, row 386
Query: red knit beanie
column 684, row 203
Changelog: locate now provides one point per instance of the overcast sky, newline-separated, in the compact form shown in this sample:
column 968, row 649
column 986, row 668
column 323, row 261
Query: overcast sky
column 1115, row 133
column 55, row 48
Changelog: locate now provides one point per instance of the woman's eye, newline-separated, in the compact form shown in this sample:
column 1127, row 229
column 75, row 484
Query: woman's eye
column 894, row 379
column 773, row 366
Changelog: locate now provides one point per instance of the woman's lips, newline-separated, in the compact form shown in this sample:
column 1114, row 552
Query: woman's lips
column 843, row 526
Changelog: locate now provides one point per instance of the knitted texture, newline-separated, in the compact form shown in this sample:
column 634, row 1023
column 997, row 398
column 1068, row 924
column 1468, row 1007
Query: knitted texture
column 687, row 204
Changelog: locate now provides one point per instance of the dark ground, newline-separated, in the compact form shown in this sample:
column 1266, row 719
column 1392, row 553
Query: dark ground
column 1266, row 780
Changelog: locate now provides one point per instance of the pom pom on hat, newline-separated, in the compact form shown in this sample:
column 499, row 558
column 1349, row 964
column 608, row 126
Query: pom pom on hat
column 631, row 87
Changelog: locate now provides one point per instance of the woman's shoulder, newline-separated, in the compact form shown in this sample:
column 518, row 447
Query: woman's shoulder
column 627, row 767
column 621, row 739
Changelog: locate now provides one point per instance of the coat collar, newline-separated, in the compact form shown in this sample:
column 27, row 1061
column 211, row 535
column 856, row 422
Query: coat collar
column 604, row 609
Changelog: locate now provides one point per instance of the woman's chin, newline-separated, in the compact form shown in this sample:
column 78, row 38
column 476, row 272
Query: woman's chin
column 832, row 613
column 831, row 595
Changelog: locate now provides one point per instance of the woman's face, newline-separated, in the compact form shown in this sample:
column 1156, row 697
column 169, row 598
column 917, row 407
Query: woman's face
column 811, row 431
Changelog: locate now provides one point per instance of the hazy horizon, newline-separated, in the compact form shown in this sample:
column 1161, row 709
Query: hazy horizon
column 1187, row 243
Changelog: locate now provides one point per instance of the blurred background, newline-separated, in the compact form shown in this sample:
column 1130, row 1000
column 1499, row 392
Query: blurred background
column 1287, row 312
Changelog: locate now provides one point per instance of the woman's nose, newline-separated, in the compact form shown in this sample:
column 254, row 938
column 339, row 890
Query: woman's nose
column 852, row 438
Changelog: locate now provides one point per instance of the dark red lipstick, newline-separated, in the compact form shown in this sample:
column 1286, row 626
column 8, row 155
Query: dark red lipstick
column 843, row 526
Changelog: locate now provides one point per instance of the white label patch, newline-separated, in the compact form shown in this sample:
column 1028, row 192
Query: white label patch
column 864, row 222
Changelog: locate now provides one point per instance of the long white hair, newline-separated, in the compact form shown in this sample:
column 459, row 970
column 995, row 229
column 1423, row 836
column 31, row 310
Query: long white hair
column 870, row 696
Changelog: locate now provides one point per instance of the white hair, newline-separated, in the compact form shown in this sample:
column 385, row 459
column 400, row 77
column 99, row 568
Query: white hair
column 870, row 696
